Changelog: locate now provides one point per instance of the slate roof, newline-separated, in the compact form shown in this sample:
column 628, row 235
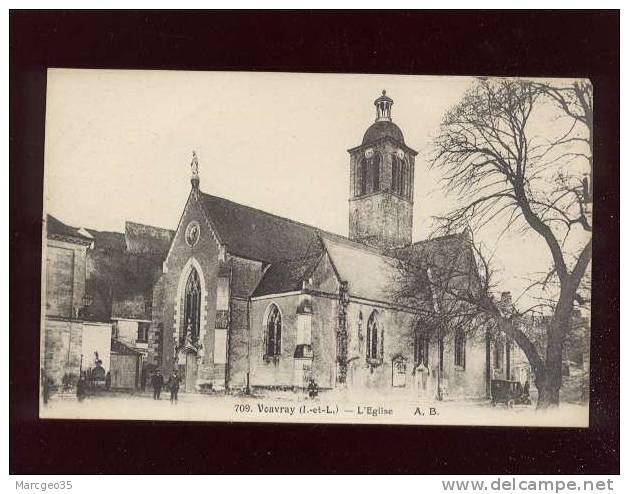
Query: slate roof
column 370, row 275
column 110, row 241
column 146, row 239
column 293, row 250
column 255, row 234
column 287, row 276
column 55, row 227
column 119, row 348
column 450, row 258
column 438, row 250
column 378, row 130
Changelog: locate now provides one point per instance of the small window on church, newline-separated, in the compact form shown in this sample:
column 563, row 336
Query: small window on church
column 362, row 177
column 395, row 171
column 273, row 332
column 459, row 349
column 375, row 172
column 421, row 347
column 360, row 333
column 400, row 179
column 372, row 336
column 404, row 190
column 498, row 354
column 143, row 332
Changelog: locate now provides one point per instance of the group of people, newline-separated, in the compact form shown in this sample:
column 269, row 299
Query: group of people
column 157, row 381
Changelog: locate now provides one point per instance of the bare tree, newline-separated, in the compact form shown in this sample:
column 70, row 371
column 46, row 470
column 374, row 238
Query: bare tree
column 456, row 277
column 501, row 169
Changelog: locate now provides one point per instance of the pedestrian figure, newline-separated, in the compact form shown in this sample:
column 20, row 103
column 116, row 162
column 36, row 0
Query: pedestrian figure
column 526, row 396
column 173, row 385
column 81, row 388
column 313, row 389
column 46, row 388
column 108, row 381
column 157, row 381
column 420, row 377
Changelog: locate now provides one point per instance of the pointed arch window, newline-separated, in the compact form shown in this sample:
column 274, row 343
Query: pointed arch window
column 395, row 171
column 498, row 353
column 360, row 333
column 459, row 349
column 400, row 179
column 192, row 306
column 368, row 175
column 362, row 177
column 422, row 347
column 372, row 336
column 273, row 332
column 375, row 172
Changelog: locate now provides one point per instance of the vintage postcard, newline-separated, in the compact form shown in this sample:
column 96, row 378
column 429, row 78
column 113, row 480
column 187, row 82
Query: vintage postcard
column 328, row 248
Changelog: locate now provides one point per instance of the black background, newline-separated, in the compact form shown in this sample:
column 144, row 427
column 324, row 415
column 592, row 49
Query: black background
column 526, row 43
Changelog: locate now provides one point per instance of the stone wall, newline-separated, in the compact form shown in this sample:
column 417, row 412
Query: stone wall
column 63, row 344
column 273, row 372
column 468, row 382
column 324, row 327
column 395, row 337
column 381, row 220
column 156, row 331
column 65, row 278
column 245, row 276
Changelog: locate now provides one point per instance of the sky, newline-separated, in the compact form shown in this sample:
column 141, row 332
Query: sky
column 119, row 146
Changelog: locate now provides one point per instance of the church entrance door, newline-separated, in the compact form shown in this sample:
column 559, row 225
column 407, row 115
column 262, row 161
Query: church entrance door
column 191, row 372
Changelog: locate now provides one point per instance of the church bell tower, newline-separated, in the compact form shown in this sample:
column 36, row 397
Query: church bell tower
column 382, row 170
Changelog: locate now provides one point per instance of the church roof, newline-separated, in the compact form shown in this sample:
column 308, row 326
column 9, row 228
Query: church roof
column 256, row 234
column 381, row 129
column 370, row 275
column 286, row 276
column 293, row 251
column 437, row 250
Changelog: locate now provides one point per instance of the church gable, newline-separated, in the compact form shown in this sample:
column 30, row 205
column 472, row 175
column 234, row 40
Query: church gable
column 325, row 277
column 195, row 231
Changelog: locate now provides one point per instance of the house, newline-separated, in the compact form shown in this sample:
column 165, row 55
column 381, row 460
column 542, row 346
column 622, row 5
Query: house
column 99, row 300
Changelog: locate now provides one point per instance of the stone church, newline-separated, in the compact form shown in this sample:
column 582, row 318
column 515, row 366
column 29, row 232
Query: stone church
column 239, row 298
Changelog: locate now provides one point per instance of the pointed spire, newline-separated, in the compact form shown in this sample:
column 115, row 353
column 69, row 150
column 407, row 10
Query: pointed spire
column 383, row 107
column 194, row 168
